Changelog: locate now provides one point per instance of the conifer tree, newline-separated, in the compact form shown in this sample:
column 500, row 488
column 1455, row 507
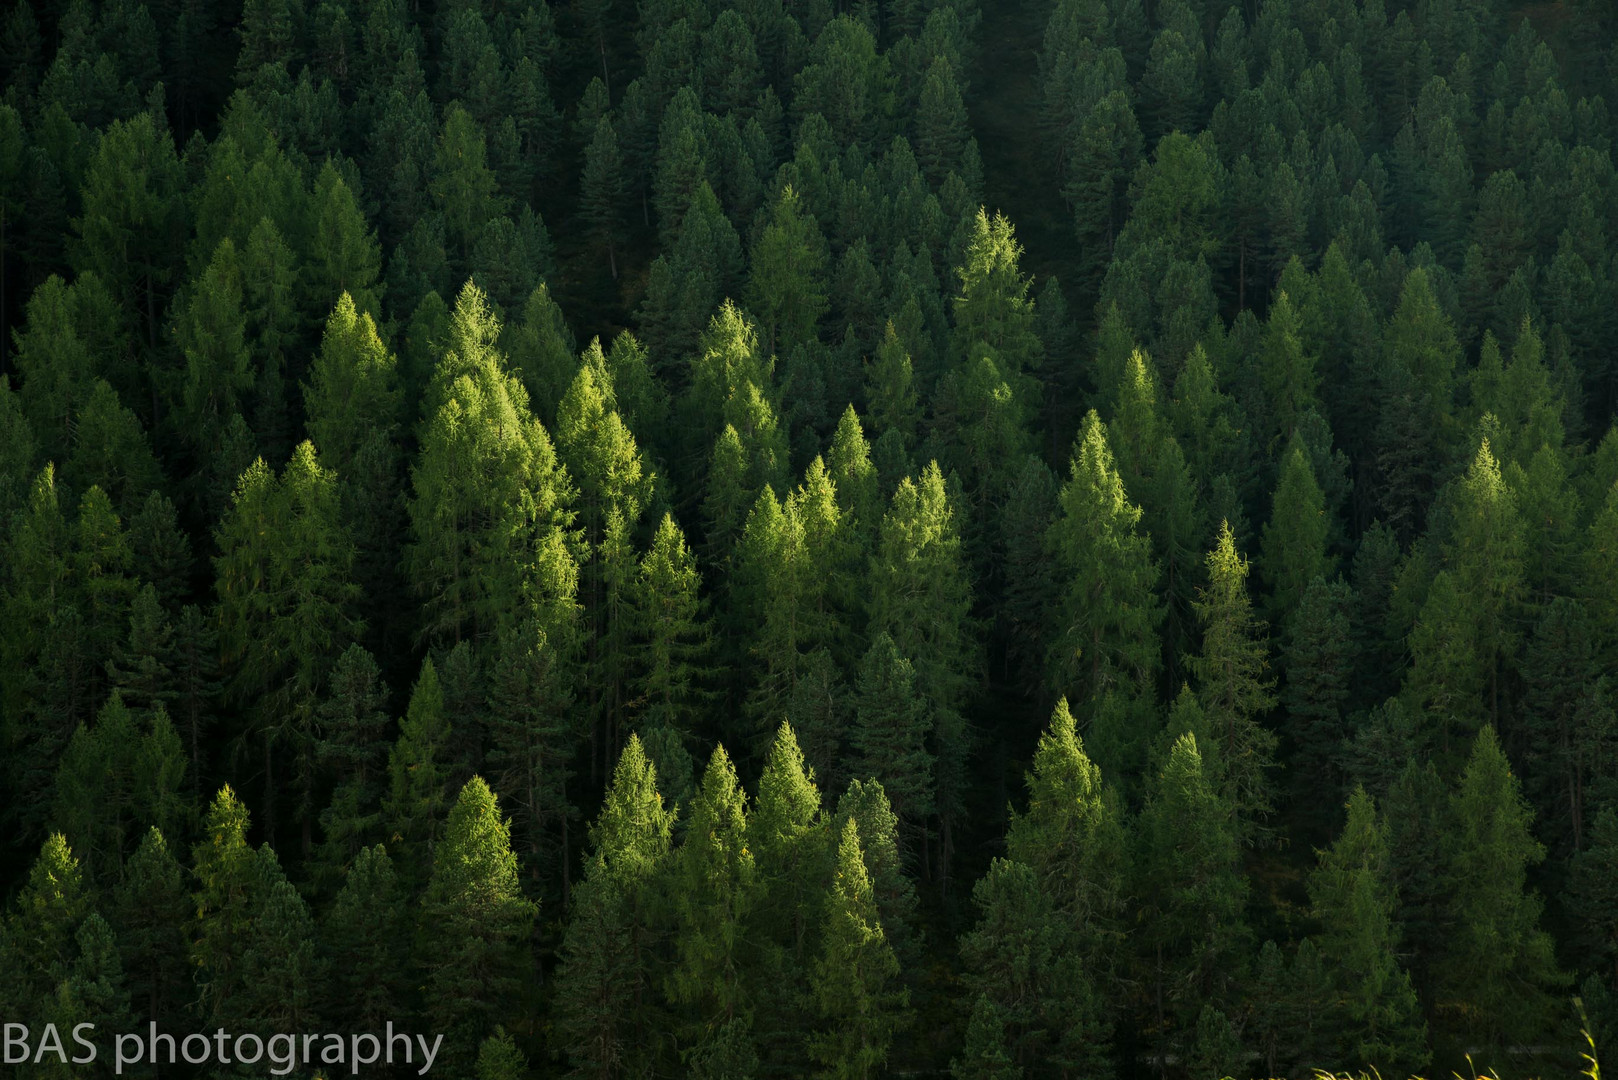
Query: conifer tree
column 994, row 308
column 1320, row 661
column 1106, row 633
column 672, row 635
column 717, row 890
column 921, row 597
column 1353, row 897
column 149, row 909
column 891, row 728
column 229, row 887
column 476, row 924
column 606, row 982
column 1232, row 687
column 1071, row 835
column 1294, row 548
column 533, row 735
column 787, row 286
column 40, row 931
column 602, row 187
column 417, row 776
column 850, row 984
column 1498, row 972
column 218, row 368
column 1035, row 1000
column 1190, row 893
column 285, row 611
column 365, row 935
column 352, row 402
column 491, row 500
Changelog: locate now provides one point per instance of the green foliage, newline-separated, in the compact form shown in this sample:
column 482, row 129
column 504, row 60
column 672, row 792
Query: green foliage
column 475, row 923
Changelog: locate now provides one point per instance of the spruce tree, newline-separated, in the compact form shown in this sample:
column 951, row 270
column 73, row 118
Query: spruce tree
column 1035, row 999
column 149, row 910
column 891, row 728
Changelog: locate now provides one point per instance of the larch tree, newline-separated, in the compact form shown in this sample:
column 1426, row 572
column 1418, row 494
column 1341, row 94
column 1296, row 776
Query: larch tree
column 920, row 596
column 1190, row 895
column 1353, row 896
column 490, row 518
column 1072, row 835
column 476, row 923
column 611, row 1013
column 1498, row 978
column 717, row 880
column 1232, row 686
column 1105, row 643
column 850, row 987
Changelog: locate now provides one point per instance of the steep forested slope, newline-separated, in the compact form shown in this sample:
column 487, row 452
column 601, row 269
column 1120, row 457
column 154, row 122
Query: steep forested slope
column 581, row 529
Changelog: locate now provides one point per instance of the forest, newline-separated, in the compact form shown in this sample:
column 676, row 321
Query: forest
column 744, row 539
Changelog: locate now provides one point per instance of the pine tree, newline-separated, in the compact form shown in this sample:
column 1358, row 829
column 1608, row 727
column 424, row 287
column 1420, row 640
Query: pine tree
column 476, row 924
column 1231, row 685
column 1354, row 900
column 850, row 984
column 1499, row 975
